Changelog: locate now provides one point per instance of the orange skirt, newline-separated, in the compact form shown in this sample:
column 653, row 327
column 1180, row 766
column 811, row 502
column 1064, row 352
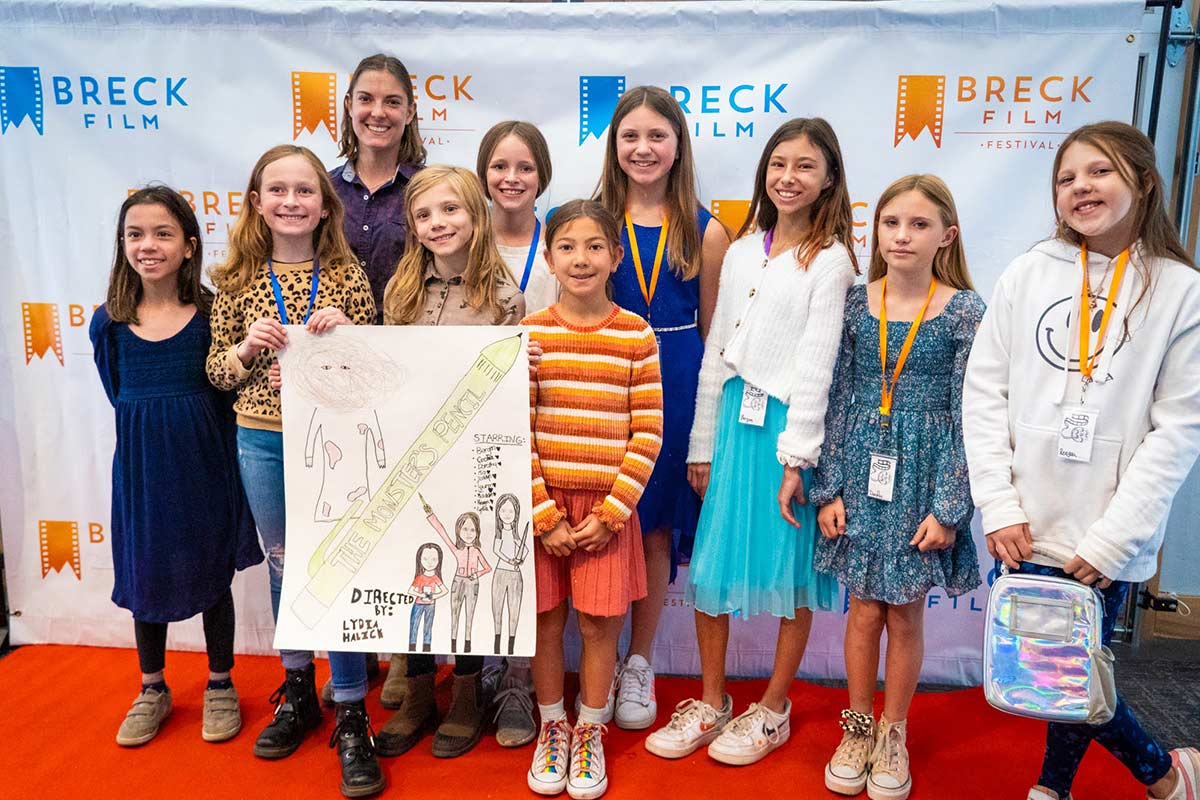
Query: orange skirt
column 601, row 584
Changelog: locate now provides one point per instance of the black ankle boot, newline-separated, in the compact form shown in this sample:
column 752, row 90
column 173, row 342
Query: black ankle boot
column 512, row 641
column 496, row 647
column 297, row 711
column 425, row 647
column 453, row 646
column 355, row 742
column 467, row 646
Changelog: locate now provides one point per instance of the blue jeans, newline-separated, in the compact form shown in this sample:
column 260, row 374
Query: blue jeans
column 260, row 457
column 420, row 612
column 1123, row 735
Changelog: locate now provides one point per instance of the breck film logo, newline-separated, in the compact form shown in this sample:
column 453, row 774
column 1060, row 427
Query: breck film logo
column 314, row 102
column 714, row 110
column 42, row 332
column 1008, row 112
column 58, row 543
column 920, row 105
column 105, row 99
column 41, row 326
column 21, row 98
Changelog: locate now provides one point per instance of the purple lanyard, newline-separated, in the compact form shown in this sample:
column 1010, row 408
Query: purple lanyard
column 770, row 237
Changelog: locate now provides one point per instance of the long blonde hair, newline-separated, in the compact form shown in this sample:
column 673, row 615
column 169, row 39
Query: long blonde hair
column 684, row 236
column 950, row 262
column 250, row 239
column 832, row 220
column 404, row 297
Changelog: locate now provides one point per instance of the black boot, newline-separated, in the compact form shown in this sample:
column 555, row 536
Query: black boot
column 453, row 646
column 355, row 742
column 425, row 647
column 297, row 711
column 467, row 646
column 512, row 641
column 496, row 647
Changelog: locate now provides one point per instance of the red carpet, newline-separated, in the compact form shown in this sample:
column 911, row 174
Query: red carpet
column 60, row 708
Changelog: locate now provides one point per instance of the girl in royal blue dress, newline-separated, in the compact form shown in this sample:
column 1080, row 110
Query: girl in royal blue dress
column 668, row 276
column 892, row 483
column 180, row 524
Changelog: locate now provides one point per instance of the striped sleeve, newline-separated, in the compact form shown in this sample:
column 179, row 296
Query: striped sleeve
column 645, row 428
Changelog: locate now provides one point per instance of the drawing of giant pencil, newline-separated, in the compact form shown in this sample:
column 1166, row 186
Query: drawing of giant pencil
column 343, row 552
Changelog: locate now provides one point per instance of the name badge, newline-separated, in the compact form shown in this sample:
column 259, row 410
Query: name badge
column 881, row 481
column 754, row 406
column 1076, row 430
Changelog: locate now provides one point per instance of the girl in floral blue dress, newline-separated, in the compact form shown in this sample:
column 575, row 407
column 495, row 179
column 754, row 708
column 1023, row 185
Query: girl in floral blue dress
column 892, row 483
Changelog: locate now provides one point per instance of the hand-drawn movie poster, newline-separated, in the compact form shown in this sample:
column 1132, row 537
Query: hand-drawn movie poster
column 407, row 477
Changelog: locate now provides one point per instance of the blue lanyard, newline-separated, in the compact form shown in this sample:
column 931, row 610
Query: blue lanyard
column 537, row 230
column 312, row 295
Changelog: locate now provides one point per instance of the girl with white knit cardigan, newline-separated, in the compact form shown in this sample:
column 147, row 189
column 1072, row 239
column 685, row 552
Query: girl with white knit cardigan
column 760, row 411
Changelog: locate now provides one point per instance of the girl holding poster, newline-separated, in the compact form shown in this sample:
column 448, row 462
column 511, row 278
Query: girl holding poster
column 760, row 414
column 450, row 274
column 668, row 275
column 289, row 262
column 1075, row 459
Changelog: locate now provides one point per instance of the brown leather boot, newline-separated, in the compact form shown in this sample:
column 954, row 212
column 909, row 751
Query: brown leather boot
column 395, row 686
column 463, row 724
column 405, row 728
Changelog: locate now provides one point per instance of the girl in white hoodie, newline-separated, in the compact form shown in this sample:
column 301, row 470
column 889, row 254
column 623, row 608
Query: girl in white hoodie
column 1078, row 440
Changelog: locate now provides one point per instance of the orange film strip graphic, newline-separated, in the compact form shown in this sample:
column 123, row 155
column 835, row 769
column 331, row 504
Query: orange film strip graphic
column 59, row 545
column 920, row 104
column 42, row 331
column 731, row 213
column 314, row 102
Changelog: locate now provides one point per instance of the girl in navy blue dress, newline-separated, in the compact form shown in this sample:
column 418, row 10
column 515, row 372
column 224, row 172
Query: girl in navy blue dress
column 180, row 524
column 668, row 276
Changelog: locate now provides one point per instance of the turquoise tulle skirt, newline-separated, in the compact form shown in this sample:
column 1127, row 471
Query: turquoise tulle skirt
column 747, row 559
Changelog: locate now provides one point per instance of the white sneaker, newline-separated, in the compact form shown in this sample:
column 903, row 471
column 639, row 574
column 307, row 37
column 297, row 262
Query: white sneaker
column 752, row 735
column 890, row 778
column 636, row 707
column 551, row 758
column 846, row 773
column 608, row 704
column 588, row 778
column 693, row 725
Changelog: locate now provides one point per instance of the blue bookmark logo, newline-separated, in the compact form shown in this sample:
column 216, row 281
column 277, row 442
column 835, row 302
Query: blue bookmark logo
column 21, row 97
column 598, row 96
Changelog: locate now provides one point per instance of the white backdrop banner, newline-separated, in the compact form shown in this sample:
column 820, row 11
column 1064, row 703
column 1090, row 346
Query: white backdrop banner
column 99, row 98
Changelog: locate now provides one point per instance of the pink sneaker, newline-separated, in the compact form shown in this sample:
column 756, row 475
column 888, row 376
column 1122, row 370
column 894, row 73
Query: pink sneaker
column 1187, row 764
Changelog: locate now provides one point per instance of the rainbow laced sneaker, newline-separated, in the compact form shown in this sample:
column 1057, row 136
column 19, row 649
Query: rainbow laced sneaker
column 548, row 772
column 589, row 778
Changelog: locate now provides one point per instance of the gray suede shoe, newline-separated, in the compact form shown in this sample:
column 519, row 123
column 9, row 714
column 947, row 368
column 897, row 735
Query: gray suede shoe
column 222, row 715
column 141, row 723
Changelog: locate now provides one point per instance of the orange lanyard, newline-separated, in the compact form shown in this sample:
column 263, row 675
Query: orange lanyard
column 647, row 293
column 1088, row 364
column 885, row 393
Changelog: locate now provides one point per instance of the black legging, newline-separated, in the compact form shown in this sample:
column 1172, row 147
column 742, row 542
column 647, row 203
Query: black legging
column 218, row 639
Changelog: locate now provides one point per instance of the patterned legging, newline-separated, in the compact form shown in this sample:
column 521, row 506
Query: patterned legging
column 1123, row 735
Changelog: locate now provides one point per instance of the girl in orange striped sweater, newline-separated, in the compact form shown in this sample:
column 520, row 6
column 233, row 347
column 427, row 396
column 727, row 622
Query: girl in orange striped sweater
column 596, row 415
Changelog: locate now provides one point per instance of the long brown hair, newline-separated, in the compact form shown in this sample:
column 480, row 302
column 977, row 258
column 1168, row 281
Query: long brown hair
column 124, row 283
column 412, row 149
column 832, row 220
column 1132, row 155
column 404, row 297
column 528, row 133
column 250, row 239
column 684, row 236
column 950, row 262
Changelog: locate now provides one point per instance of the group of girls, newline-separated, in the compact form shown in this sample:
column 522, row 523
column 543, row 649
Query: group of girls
column 821, row 422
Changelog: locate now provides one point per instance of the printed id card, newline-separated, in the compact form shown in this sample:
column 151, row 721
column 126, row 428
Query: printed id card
column 1076, row 430
column 754, row 406
column 881, row 481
